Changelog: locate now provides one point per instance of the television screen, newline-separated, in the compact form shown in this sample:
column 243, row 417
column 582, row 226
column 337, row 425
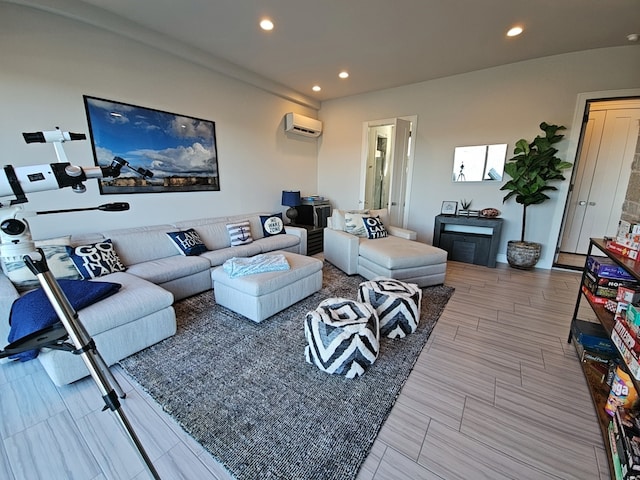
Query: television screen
column 179, row 151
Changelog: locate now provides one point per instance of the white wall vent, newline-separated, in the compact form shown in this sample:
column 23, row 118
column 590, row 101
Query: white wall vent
column 296, row 123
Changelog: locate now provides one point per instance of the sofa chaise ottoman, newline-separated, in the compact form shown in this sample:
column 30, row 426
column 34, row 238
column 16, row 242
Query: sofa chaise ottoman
column 261, row 295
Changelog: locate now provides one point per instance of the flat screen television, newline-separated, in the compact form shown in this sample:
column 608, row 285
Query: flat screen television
column 179, row 151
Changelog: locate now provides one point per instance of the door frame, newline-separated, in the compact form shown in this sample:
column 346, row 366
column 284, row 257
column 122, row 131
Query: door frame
column 409, row 168
column 575, row 139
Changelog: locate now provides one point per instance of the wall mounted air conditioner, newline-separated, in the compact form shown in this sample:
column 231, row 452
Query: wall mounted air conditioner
column 296, row 123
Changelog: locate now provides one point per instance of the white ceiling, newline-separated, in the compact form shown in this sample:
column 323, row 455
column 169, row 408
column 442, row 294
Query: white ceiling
column 382, row 43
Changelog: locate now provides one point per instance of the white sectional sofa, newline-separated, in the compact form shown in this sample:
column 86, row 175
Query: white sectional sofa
column 157, row 274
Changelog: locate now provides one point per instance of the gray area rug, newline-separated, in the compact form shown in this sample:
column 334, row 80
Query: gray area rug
column 244, row 391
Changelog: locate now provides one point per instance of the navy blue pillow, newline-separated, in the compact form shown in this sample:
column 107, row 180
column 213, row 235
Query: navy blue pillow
column 96, row 259
column 272, row 224
column 375, row 228
column 188, row 242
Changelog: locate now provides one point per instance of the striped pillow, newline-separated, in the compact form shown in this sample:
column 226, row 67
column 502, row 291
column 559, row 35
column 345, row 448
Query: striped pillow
column 239, row 233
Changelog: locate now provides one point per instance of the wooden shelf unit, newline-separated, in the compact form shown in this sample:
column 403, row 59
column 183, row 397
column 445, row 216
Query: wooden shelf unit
column 599, row 390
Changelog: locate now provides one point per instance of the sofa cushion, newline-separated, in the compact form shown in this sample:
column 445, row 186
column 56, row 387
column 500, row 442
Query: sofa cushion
column 188, row 242
column 170, row 268
column 212, row 231
column 277, row 242
column 136, row 298
column 96, row 260
column 141, row 244
column 394, row 253
column 218, row 257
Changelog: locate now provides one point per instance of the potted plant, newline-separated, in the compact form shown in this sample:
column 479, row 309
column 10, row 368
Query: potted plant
column 532, row 168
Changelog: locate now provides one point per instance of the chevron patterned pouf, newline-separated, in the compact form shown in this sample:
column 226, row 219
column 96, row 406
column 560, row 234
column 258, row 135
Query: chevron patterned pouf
column 342, row 337
column 396, row 303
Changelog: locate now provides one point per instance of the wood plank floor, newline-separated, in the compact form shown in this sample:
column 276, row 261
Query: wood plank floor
column 497, row 393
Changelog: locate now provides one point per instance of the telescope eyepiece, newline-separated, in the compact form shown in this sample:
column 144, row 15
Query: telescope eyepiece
column 13, row 227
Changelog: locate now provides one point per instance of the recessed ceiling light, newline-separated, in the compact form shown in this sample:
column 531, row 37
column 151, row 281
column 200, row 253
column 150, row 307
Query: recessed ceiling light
column 633, row 37
column 343, row 74
column 514, row 31
column 316, row 88
column 266, row 24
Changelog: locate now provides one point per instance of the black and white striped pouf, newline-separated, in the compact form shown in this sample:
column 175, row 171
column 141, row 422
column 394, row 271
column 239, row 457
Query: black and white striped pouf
column 342, row 337
column 397, row 304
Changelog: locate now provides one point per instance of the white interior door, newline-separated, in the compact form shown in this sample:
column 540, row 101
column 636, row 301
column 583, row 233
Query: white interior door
column 386, row 167
column 602, row 173
column 397, row 193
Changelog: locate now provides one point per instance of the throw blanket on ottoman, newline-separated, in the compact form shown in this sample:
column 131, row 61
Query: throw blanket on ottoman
column 33, row 311
column 237, row 267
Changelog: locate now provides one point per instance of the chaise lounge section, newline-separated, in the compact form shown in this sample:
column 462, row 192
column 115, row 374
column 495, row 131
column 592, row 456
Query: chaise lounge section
column 397, row 255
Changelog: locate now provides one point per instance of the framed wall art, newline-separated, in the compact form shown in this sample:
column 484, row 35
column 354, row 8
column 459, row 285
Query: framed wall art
column 449, row 208
column 178, row 152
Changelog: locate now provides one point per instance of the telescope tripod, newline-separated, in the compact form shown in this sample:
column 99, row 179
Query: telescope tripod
column 73, row 329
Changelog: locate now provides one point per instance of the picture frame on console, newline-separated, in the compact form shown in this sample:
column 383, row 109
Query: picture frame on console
column 449, row 208
column 177, row 153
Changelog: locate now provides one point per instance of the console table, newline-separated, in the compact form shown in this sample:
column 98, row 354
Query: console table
column 468, row 239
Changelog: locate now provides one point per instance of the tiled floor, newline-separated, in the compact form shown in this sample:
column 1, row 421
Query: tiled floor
column 497, row 393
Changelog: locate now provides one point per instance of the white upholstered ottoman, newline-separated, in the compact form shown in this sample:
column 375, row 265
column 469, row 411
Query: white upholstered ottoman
column 408, row 261
column 261, row 295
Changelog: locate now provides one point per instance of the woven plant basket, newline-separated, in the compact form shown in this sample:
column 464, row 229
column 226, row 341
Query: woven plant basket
column 523, row 255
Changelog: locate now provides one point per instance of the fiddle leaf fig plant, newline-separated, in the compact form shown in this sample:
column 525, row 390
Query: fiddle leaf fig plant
column 532, row 167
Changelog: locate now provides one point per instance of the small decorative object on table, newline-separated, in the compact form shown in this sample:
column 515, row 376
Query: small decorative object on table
column 490, row 212
column 449, row 208
column 466, row 209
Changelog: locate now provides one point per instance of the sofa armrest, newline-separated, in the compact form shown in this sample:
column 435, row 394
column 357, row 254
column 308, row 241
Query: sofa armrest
column 401, row 232
column 302, row 234
column 8, row 294
column 341, row 249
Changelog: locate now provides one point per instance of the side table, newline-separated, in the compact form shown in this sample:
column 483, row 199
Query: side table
column 315, row 238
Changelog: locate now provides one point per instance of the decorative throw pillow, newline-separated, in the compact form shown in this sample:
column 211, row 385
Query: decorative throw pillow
column 239, row 233
column 272, row 224
column 188, row 242
column 375, row 228
column 353, row 224
column 96, row 259
column 338, row 218
column 58, row 261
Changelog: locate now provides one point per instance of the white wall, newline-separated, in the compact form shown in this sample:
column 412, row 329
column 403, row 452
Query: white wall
column 49, row 62
column 497, row 105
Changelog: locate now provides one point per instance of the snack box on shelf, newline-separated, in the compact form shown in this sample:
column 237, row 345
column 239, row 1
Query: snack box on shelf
column 631, row 360
column 625, row 228
column 592, row 336
column 607, row 287
column 594, row 298
column 627, row 336
column 628, row 295
column 629, row 242
column 632, row 315
column 607, row 268
column 623, row 250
